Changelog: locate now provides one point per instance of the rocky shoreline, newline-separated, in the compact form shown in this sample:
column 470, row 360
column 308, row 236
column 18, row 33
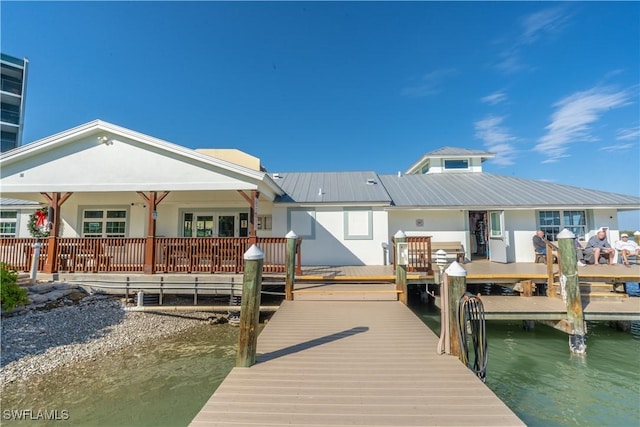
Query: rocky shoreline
column 70, row 326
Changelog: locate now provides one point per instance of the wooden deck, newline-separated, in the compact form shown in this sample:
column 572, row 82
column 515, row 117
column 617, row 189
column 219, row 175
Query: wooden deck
column 351, row 363
column 477, row 272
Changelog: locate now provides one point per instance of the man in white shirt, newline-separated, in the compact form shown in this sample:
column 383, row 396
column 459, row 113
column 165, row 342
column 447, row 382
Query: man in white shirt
column 627, row 248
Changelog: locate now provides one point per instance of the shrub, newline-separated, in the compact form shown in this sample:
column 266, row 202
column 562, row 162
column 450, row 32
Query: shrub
column 11, row 295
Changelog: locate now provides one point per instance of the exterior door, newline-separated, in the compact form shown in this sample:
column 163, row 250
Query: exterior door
column 226, row 225
column 498, row 238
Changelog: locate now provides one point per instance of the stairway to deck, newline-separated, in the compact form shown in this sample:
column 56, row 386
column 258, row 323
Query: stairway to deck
column 340, row 291
column 591, row 291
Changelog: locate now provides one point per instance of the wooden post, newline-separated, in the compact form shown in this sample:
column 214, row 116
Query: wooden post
column 299, row 256
column 290, row 264
column 400, row 262
column 152, row 200
column 55, row 201
column 250, row 307
column 636, row 236
column 253, row 213
column 570, row 285
column 457, row 279
column 551, row 292
column 527, row 288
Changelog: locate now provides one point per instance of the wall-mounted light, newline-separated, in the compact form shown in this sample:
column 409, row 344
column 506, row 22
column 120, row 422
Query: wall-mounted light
column 104, row 140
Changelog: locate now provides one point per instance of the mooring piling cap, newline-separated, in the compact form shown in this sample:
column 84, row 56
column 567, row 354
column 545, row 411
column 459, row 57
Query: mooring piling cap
column 400, row 234
column 291, row 235
column 566, row 234
column 456, row 270
column 253, row 253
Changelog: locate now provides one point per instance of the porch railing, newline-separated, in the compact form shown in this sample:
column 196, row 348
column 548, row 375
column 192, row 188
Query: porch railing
column 127, row 255
column 18, row 252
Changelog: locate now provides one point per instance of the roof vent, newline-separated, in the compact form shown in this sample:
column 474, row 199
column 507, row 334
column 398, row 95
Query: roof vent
column 399, row 174
column 371, row 181
column 277, row 176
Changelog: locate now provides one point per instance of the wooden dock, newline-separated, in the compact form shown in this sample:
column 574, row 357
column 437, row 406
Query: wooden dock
column 543, row 308
column 346, row 363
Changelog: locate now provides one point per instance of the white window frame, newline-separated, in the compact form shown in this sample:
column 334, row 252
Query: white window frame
column 444, row 164
column 265, row 222
column 13, row 221
column 551, row 230
column 104, row 220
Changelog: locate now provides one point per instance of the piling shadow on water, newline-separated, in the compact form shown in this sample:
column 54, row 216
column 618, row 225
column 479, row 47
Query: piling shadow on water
column 261, row 358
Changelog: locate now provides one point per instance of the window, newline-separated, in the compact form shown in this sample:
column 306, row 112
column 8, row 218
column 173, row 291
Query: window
column 552, row 222
column 497, row 219
column 104, row 223
column 8, row 223
column 456, row 164
column 358, row 224
column 302, row 222
column 264, row 222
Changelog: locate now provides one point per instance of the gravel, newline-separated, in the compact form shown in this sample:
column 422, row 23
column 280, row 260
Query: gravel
column 37, row 342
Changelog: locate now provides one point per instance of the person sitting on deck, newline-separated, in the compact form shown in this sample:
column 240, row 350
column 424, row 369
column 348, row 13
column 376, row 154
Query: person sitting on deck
column 598, row 246
column 540, row 244
column 627, row 248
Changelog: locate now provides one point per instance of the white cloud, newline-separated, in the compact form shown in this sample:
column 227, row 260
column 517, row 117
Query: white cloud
column 618, row 147
column 543, row 23
column 534, row 27
column 430, row 84
column 573, row 118
column 495, row 98
column 497, row 139
column 631, row 133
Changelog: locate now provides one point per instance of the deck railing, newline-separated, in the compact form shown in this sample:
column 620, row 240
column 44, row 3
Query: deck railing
column 127, row 255
column 18, row 252
column 419, row 253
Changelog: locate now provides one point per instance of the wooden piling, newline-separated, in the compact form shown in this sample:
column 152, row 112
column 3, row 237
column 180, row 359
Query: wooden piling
column 290, row 263
column 457, row 286
column 401, row 260
column 250, row 307
column 570, row 285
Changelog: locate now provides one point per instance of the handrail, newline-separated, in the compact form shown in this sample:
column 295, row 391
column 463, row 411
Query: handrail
column 551, row 248
column 127, row 255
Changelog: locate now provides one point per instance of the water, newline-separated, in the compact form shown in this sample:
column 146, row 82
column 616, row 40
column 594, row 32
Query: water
column 167, row 382
column 164, row 383
column 534, row 373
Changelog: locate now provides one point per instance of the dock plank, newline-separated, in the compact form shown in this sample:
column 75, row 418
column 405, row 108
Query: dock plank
column 351, row 363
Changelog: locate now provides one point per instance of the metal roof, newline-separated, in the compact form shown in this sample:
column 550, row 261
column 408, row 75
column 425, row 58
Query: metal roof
column 15, row 202
column 455, row 151
column 463, row 190
column 331, row 187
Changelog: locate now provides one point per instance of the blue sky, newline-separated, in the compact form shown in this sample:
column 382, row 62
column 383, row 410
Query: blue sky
column 551, row 88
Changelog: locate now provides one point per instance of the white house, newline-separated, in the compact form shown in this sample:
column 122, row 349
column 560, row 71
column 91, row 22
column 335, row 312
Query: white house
column 106, row 181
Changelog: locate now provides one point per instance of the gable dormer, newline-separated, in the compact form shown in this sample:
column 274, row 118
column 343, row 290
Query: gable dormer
column 450, row 160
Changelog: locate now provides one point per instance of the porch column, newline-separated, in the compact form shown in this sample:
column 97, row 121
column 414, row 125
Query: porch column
column 153, row 201
column 253, row 213
column 55, row 202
